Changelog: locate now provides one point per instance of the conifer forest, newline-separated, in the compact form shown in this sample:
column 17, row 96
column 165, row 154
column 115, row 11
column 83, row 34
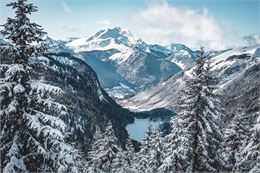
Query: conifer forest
column 181, row 93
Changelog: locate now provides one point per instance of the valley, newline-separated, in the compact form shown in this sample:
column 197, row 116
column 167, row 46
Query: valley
column 142, row 77
column 176, row 89
column 113, row 76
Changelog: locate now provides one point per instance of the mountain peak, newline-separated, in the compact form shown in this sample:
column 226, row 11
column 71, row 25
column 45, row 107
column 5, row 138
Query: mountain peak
column 110, row 38
column 115, row 33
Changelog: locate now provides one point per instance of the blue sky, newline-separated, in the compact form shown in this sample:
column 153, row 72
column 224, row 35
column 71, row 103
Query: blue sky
column 217, row 23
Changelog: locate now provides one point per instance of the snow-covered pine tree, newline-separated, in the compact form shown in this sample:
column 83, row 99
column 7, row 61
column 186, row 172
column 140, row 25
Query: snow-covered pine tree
column 31, row 129
column 248, row 158
column 120, row 164
column 103, row 151
column 129, row 153
column 79, row 159
column 129, row 156
column 236, row 133
column 196, row 131
column 155, row 153
column 141, row 163
column 170, row 152
column 23, row 33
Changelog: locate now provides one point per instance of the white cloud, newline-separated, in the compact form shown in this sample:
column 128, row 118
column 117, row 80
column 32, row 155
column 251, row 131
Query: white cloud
column 65, row 6
column 165, row 24
column 252, row 39
column 104, row 23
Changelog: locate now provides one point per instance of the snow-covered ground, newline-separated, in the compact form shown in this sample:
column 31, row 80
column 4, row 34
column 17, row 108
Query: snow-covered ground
column 139, row 127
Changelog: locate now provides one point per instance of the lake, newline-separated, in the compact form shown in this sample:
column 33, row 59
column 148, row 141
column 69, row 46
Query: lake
column 138, row 129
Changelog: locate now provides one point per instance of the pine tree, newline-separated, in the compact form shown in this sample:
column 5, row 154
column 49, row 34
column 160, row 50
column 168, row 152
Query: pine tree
column 156, row 157
column 248, row 158
column 196, row 137
column 141, row 163
column 237, row 132
column 149, row 159
column 170, row 152
column 103, row 151
column 129, row 154
column 25, row 36
column 79, row 159
column 120, row 163
column 32, row 133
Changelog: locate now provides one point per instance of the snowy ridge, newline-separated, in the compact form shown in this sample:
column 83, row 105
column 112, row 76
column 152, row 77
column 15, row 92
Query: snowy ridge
column 119, row 39
column 220, row 60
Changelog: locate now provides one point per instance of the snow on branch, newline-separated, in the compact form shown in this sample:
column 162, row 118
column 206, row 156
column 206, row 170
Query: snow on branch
column 52, row 106
column 12, row 107
column 52, row 120
column 6, row 87
column 14, row 162
column 16, row 69
column 4, row 68
column 42, row 88
column 46, row 130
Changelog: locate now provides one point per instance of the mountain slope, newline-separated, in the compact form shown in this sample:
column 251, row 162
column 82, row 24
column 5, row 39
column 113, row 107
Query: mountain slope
column 228, row 67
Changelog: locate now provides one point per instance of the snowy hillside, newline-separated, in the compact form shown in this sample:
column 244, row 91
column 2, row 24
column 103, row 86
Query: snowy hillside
column 228, row 66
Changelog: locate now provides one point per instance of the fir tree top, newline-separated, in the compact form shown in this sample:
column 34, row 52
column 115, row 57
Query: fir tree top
column 25, row 36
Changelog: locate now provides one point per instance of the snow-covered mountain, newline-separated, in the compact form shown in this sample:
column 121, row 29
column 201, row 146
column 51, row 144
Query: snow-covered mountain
column 107, row 39
column 182, row 55
column 228, row 66
column 125, row 65
column 120, row 59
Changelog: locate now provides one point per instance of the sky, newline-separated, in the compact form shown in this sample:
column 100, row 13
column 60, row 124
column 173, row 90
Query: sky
column 217, row 24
